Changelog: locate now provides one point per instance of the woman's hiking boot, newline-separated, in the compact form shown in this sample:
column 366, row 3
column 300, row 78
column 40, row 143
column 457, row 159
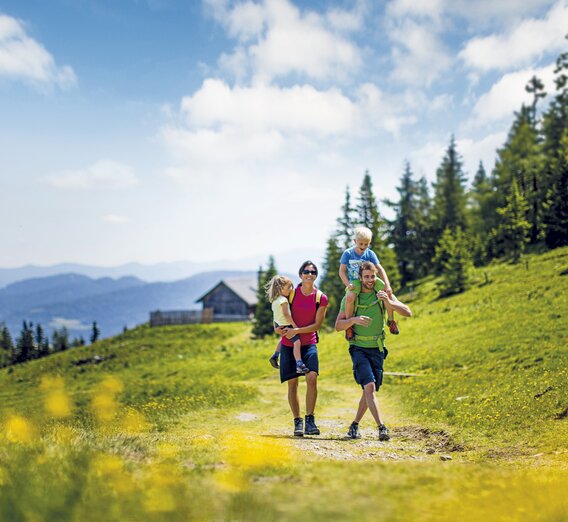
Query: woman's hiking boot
column 383, row 433
column 393, row 327
column 353, row 432
column 298, row 427
column 311, row 428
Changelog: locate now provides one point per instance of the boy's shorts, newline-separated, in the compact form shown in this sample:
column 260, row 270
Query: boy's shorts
column 293, row 339
column 309, row 354
column 367, row 365
column 357, row 286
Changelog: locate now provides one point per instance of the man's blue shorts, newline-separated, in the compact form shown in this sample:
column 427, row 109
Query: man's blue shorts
column 367, row 365
column 309, row 354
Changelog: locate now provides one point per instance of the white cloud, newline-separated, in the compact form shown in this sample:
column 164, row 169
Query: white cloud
column 276, row 39
column 70, row 324
column 104, row 174
column 484, row 149
column 115, row 219
column 419, row 57
column 481, row 11
column 294, row 109
column 507, row 95
column 523, row 44
column 22, row 57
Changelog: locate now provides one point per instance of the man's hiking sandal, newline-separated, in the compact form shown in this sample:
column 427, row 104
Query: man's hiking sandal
column 301, row 368
column 311, row 428
column 383, row 433
column 274, row 362
column 298, row 427
column 393, row 327
column 353, row 432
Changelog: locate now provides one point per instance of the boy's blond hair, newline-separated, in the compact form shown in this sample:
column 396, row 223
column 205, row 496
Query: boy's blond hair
column 363, row 233
column 275, row 286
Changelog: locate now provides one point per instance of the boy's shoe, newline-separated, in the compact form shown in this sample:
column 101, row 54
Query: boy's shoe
column 353, row 432
column 298, row 427
column 349, row 333
column 393, row 327
column 301, row 368
column 311, row 428
column 383, row 433
column 274, row 361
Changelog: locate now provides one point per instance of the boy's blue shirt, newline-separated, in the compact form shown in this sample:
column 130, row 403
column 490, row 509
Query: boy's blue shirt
column 354, row 260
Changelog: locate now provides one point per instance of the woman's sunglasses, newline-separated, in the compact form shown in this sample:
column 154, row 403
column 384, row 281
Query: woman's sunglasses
column 309, row 272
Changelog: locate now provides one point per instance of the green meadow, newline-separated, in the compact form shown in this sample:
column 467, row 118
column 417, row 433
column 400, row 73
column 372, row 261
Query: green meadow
column 191, row 422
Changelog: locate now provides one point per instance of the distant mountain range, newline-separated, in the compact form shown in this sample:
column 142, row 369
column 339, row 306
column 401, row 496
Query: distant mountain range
column 75, row 300
column 288, row 262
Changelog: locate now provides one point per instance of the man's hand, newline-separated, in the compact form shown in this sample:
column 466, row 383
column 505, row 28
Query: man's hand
column 350, row 286
column 388, row 290
column 361, row 320
column 383, row 296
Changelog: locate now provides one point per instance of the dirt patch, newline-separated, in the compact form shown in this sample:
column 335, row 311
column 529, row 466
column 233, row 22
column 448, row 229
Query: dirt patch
column 407, row 443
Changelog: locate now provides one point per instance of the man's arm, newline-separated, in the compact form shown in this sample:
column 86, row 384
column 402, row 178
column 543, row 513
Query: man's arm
column 392, row 303
column 343, row 322
column 314, row 327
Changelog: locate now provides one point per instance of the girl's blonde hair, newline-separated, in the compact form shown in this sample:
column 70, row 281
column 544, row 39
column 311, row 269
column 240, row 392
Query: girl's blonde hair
column 275, row 286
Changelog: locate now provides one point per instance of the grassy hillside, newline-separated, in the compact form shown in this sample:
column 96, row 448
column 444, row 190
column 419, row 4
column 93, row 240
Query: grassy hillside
column 191, row 423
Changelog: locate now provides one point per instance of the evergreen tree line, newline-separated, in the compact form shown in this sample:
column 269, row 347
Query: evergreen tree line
column 446, row 228
column 33, row 343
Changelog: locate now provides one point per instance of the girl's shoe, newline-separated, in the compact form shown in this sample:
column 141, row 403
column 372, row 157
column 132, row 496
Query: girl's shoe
column 274, row 362
column 301, row 368
column 393, row 327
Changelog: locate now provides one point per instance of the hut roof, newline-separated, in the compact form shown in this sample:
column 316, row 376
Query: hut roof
column 243, row 287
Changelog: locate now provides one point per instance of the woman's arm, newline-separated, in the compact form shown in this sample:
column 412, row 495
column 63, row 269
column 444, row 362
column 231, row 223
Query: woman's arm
column 314, row 327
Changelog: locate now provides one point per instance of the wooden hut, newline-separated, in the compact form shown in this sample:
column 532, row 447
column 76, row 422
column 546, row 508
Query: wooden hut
column 231, row 299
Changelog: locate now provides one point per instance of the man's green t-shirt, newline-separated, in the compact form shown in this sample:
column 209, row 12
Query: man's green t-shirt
column 367, row 305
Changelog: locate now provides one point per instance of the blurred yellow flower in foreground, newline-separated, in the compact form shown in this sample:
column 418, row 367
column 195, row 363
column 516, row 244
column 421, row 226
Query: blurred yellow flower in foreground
column 103, row 403
column 19, row 429
column 244, row 453
column 56, row 401
column 134, row 422
column 110, row 468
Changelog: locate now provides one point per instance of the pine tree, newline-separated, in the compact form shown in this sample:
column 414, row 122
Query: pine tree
column 449, row 208
column 263, row 323
column 368, row 216
column 95, row 333
column 453, row 254
column 482, row 215
column 330, row 283
column 555, row 149
column 521, row 158
column 346, row 223
column 404, row 226
column 60, row 340
column 555, row 207
column 6, row 346
column 40, row 342
column 513, row 231
column 426, row 238
column 25, row 344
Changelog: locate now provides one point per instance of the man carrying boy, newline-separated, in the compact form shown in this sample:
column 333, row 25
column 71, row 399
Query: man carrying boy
column 367, row 347
column 350, row 262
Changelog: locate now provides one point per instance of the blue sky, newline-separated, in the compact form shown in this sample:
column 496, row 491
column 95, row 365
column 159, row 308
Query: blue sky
column 166, row 130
